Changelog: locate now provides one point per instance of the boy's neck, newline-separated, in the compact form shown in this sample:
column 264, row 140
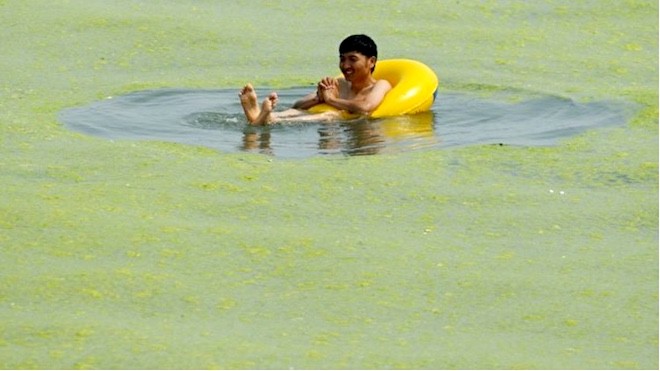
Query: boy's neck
column 358, row 86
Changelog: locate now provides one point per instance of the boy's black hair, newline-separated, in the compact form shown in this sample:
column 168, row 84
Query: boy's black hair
column 362, row 44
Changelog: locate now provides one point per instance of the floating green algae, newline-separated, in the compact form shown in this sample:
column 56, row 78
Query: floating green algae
column 152, row 255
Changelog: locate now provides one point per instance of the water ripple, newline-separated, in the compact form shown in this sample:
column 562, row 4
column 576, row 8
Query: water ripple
column 214, row 118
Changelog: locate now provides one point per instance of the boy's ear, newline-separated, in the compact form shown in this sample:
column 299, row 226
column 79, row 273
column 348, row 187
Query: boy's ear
column 372, row 62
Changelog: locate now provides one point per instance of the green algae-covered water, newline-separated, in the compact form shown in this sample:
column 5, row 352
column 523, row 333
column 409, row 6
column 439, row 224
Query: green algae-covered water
column 143, row 254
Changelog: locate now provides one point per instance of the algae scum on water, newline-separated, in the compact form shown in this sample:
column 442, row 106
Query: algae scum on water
column 442, row 251
column 213, row 118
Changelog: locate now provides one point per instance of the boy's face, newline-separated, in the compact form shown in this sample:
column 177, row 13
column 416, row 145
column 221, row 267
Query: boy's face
column 355, row 65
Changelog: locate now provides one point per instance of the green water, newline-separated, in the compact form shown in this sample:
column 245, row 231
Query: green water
column 118, row 254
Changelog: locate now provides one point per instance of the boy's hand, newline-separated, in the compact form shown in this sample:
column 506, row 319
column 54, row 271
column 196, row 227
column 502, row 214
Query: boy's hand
column 327, row 88
column 329, row 82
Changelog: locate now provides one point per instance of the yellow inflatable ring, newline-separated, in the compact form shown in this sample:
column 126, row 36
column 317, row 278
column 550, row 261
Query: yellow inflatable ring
column 414, row 86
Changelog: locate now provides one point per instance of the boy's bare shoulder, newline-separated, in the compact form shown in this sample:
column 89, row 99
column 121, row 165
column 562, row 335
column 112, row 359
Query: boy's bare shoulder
column 384, row 83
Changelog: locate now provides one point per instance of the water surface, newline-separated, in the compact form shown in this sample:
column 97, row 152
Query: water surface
column 214, row 118
column 142, row 255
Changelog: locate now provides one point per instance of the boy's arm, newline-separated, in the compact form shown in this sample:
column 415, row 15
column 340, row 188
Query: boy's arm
column 307, row 101
column 365, row 104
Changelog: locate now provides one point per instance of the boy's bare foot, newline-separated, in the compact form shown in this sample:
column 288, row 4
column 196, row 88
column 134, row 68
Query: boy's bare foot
column 267, row 107
column 249, row 102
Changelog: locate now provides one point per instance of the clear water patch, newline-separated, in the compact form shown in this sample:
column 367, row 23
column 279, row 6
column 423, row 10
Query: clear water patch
column 214, row 118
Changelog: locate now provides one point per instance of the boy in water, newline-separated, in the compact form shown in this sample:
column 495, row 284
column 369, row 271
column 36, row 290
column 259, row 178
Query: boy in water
column 357, row 92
